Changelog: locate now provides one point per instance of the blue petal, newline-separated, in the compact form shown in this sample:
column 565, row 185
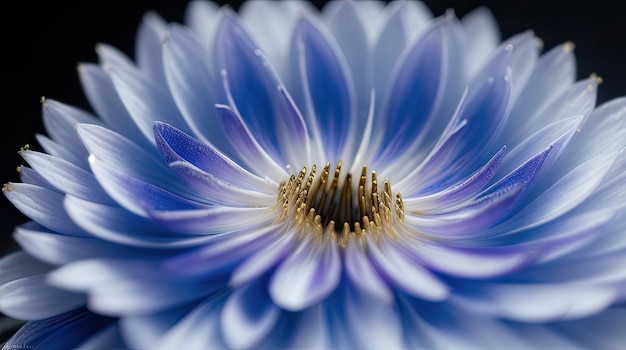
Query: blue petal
column 249, row 150
column 138, row 196
column 310, row 274
column 214, row 220
column 175, row 145
column 406, row 273
column 66, row 177
column 248, row 316
column 55, row 149
column 118, row 225
column 104, row 99
column 19, row 264
column 31, row 298
column 257, row 93
column 149, row 46
column 57, row 249
column 191, row 83
column 327, row 88
column 43, row 206
column 219, row 256
column 415, row 94
column 145, row 101
column 364, row 275
column 62, row 332
column 122, row 286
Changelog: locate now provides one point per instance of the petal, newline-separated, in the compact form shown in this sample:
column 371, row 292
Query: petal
column 219, row 256
column 31, row 298
column 61, row 332
column 307, row 276
column 18, row 265
column 248, row 316
column 43, row 206
column 263, row 260
column 175, row 145
column 191, row 83
column 145, row 101
column 414, row 95
column 201, row 16
column 149, row 48
column 257, row 93
column 214, row 220
column 364, row 275
column 482, row 35
column 329, row 96
column 200, row 329
column 66, row 177
column 537, row 303
column 407, row 273
column 104, row 99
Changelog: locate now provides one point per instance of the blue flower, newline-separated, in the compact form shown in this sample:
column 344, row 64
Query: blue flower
column 366, row 176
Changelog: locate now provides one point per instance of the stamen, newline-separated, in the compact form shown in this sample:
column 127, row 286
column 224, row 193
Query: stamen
column 332, row 209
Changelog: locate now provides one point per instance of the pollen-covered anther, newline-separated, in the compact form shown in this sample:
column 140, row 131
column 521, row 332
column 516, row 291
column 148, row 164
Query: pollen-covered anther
column 329, row 207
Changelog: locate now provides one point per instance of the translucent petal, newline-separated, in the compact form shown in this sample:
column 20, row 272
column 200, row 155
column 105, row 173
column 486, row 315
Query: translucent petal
column 31, row 298
column 149, row 46
column 406, row 273
column 43, row 206
column 248, row 316
column 329, row 97
column 307, row 276
column 66, row 177
column 257, row 93
column 363, row 274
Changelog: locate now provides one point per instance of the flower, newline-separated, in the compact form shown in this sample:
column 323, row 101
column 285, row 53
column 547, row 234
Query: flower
column 363, row 177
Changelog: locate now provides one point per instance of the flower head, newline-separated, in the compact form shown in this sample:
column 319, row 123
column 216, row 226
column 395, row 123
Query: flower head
column 366, row 176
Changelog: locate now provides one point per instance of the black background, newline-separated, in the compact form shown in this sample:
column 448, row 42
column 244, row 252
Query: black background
column 43, row 41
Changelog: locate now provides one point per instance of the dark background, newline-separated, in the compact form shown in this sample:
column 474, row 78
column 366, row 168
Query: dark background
column 43, row 41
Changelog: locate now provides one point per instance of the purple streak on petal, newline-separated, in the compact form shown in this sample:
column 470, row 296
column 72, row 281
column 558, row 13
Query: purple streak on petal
column 138, row 196
column 118, row 225
column 556, row 136
column 256, row 91
column 263, row 260
column 214, row 220
column 565, row 194
column 406, row 273
column 31, row 298
column 415, row 93
column 471, row 219
column 364, row 275
column 191, row 83
column 249, row 150
column 328, row 91
column 115, row 151
column 248, row 315
column 459, row 192
column 219, row 256
column 307, row 276
column 175, row 145
column 66, row 177
column 215, row 190
column 43, row 206
column 61, row 332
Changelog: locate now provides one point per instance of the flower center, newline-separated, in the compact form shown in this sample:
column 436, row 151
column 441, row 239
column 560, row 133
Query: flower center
column 331, row 207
